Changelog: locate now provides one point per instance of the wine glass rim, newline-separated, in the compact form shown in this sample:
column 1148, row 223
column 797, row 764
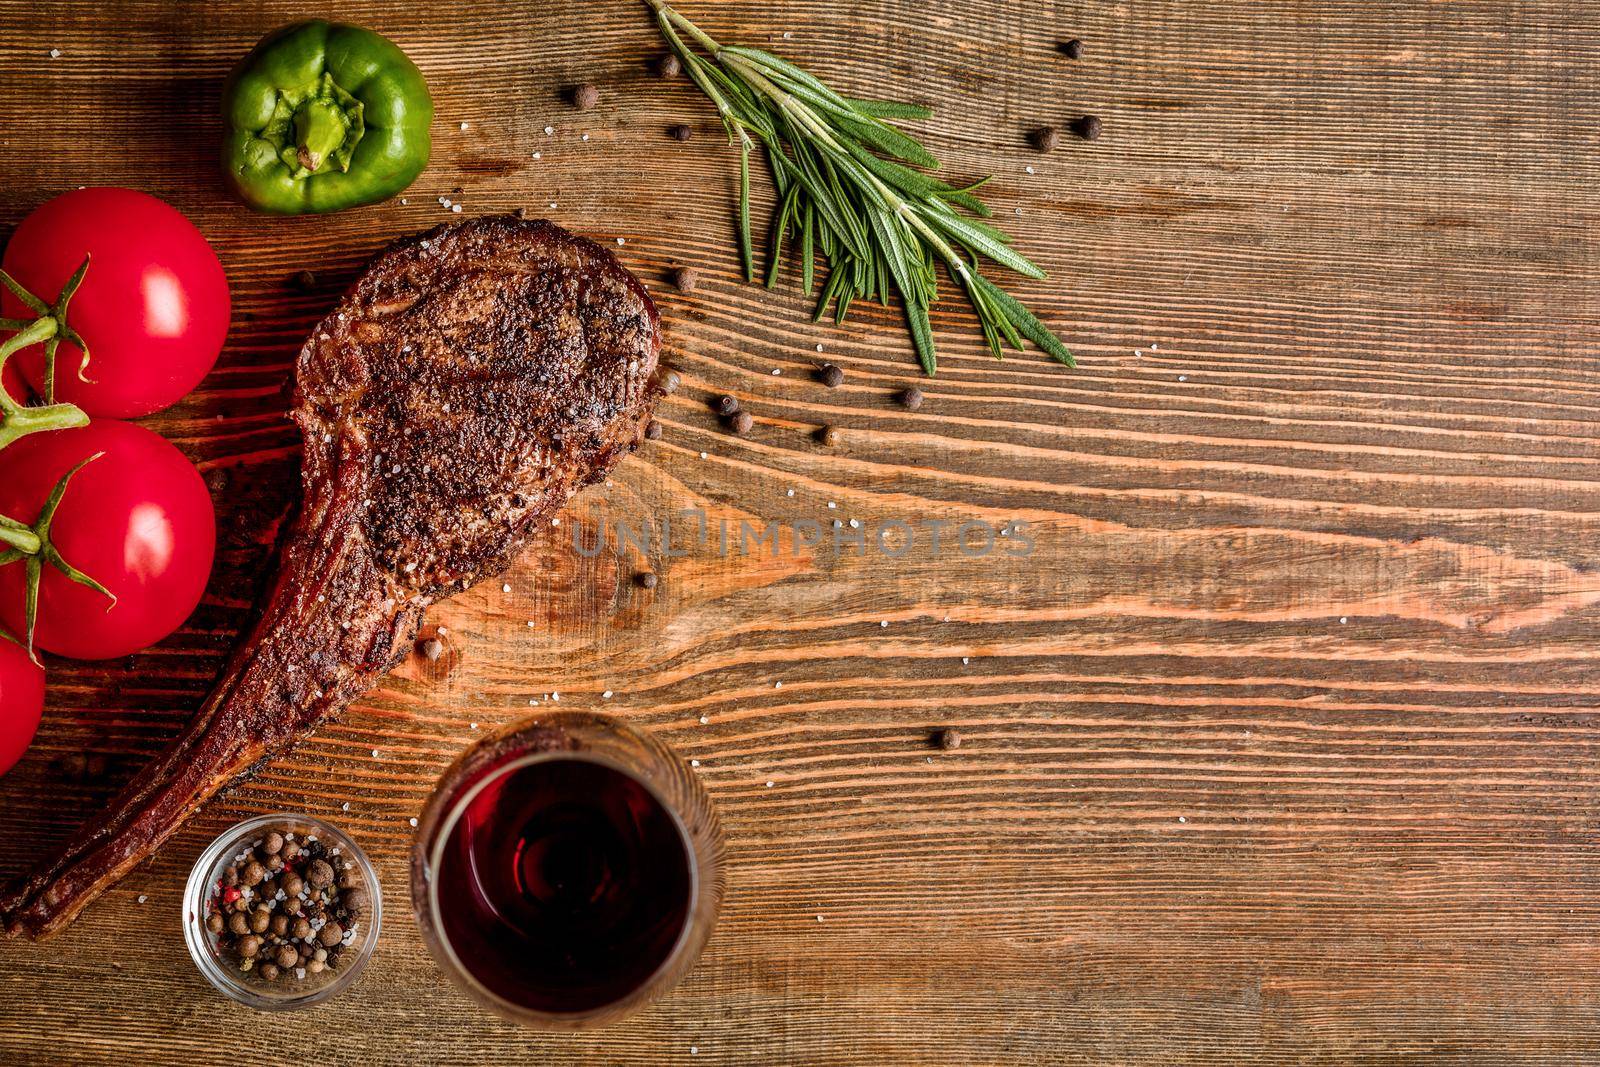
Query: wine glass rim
column 441, row 938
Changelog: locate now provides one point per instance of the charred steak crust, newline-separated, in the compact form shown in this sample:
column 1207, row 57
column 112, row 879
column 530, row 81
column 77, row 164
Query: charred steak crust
column 469, row 383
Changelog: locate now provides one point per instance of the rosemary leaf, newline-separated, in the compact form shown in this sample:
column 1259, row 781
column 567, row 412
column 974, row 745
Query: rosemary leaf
column 746, row 255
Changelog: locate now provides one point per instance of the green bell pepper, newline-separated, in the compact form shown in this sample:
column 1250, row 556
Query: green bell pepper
column 323, row 116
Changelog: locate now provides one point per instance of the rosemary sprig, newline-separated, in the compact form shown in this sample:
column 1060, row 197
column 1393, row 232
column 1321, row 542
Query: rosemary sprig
column 839, row 166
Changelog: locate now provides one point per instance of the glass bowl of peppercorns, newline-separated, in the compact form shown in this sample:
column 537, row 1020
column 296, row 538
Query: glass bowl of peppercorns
column 282, row 911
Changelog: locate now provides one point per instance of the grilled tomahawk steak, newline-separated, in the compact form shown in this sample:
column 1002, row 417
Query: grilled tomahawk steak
column 472, row 380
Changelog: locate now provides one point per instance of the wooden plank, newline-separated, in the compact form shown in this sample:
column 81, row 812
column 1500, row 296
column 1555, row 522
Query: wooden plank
column 1278, row 746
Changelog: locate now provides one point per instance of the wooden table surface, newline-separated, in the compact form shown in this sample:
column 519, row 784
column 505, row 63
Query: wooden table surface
column 1277, row 747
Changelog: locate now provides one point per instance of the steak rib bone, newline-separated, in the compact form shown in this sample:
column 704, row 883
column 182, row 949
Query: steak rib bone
column 473, row 379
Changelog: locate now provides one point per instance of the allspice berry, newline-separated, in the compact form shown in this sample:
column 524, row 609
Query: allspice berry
column 249, row 945
column 646, row 579
column 830, row 375
column 1087, row 127
column 1072, row 49
column 741, row 423
column 910, row 399
column 585, row 97
column 252, row 874
column 238, row 923
column 269, row 971
column 330, row 934
column 355, row 901
column 828, row 435
column 319, row 874
column 1044, row 138
column 292, row 885
column 260, row 919
column 301, row 929
column 680, row 132
column 667, row 66
column 287, row 957
column 685, row 278
column 215, row 922
column 652, row 430
column 948, row 740
column 273, row 842
column 727, row 406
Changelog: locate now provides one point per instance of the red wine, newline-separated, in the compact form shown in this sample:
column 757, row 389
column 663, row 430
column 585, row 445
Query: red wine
column 564, row 885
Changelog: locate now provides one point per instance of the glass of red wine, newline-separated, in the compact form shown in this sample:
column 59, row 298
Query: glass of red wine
column 568, row 871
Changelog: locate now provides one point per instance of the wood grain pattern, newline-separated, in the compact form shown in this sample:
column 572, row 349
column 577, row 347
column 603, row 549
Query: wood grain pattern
column 1278, row 747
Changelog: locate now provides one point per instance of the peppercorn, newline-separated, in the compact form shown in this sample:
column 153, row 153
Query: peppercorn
column 828, row 435
column 301, row 929
column 303, row 280
column 947, row 739
column 260, row 919
column 230, row 877
column 652, row 430
column 291, row 849
column 319, row 874
column 830, row 375
column 1087, row 127
column 647, row 579
column 238, row 923
column 272, row 842
column 287, row 956
column 585, row 97
column 727, row 406
column 911, row 398
column 1044, row 138
column 252, row 874
column 269, row 971
column 349, row 878
column 279, row 925
column 330, row 934
column 291, row 884
column 685, row 278
column 680, row 132
column 1072, row 49
column 741, row 423
column 215, row 922
column 274, row 864
column 667, row 65
column 249, row 945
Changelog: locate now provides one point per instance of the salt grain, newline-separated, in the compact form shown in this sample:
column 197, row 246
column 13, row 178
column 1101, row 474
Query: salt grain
column 55, row 53
column 548, row 130
column 412, row 820
column 345, row 806
column 884, row 623
column 374, row 753
column 694, row 763
column 606, row 695
column 464, row 125
column 456, row 208
column 1030, row 170
column 538, row 155
column 585, row 137
column 704, row 719
column 769, row 783
column 506, row 588
column 622, row 240
column 143, row 898
column 789, row 493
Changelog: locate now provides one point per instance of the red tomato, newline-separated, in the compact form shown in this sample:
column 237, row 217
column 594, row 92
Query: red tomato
column 153, row 307
column 138, row 520
column 21, row 701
